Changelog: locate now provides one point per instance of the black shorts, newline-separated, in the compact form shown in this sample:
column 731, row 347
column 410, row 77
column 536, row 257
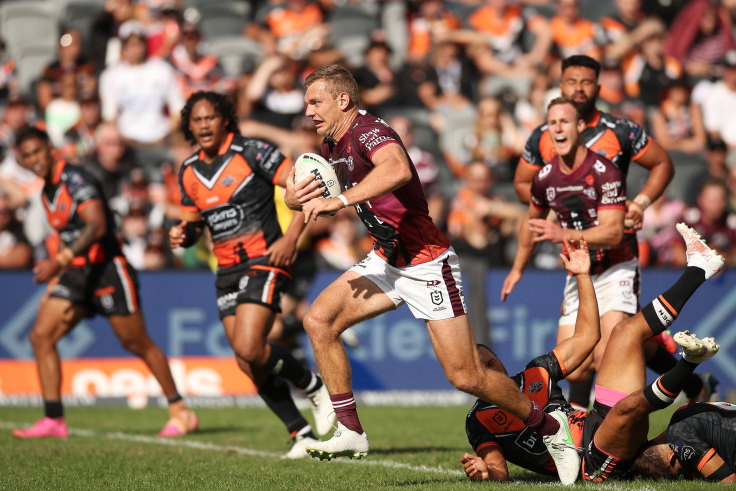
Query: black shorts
column 254, row 283
column 597, row 465
column 109, row 288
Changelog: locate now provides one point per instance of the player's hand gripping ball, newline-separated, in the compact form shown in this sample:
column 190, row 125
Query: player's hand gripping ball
column 311, row 163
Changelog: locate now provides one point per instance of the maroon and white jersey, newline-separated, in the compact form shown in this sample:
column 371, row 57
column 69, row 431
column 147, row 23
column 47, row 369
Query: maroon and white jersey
column 398, row 222
column 576, row 198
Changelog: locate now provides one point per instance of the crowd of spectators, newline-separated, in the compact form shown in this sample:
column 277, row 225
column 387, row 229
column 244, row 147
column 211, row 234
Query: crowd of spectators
column 464, row 83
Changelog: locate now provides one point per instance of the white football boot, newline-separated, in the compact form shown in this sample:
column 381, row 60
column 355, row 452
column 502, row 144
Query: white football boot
column 344, row 443
column 563, row 451
column 698, row 253
column 696, row 350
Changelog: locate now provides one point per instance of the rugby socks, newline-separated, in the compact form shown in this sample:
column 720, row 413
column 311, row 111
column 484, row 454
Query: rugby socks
column 346, row 411
column 663, row 391
column 53, row 409
column 277, row 396
column 580, row 395
column 281, row 362
column 664, row 309
column 543, row 423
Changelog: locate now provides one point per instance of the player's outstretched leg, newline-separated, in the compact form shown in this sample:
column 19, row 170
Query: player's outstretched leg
column 663, row 391
column 344, row 443
column 562, row 450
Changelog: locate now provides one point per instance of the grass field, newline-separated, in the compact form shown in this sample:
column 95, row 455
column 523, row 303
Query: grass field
column 239, row 448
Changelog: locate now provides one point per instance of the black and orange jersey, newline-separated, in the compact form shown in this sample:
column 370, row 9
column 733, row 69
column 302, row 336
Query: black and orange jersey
column 699, row 430
column 488, row 424
column 69, row 191
column 618, row 140
column 234, row 195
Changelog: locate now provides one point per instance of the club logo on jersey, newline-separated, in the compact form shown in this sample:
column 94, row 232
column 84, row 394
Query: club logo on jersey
column 545, row 171
column 535, row 387
column 243, row 283
column 551, row 194
column 436, row 297
column 433, row 283
column 227, row 180
column 599, row 166
column 590, row 193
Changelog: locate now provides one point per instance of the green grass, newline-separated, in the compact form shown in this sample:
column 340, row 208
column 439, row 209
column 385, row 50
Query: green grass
column 238, row 448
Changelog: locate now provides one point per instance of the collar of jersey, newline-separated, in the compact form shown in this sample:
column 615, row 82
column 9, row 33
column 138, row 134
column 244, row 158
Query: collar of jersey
column 595, row 120
column 223, row 148
column 60, row 164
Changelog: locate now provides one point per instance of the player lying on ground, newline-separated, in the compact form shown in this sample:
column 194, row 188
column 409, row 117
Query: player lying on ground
column 700, row 441
column 498, row 437
column 616, row 427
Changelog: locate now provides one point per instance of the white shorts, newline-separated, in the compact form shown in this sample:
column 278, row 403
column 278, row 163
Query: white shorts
column 617, row 289
column 432, row 290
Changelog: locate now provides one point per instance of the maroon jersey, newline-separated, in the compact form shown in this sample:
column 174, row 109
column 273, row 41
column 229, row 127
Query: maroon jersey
column 70, row 190
column 576, row 198
column 398, row 222
column 234, row 194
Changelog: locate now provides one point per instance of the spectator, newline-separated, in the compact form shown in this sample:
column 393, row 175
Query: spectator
column 627, row 29
column 112, row 164
column 64, row 111
column 426, row 167
column 104, row 46
column 480, row 226
column 79, row 140
column 290, row 27
column 677, row 123
column 498, row 29
column 196, row 70
column 699, row 37
column 647, row 70
column 275, row 92
column 658, row 232
column 376, row 79
column 69, row 59
column 18, row 114
column 428, row 22
column 719, row 104
column 494, row 141
column 716, row 158
column 712, row 220
column 574, row 35
column 15, row 252
column 451, row 74
column 137, row 93
column 9, row 87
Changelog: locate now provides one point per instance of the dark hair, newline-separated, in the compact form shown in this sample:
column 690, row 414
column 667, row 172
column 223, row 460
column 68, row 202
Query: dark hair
column 338, row 80
column 558, row 101
column 582, row 60
column 649, row 464
column 30, row 133
column 223, row 106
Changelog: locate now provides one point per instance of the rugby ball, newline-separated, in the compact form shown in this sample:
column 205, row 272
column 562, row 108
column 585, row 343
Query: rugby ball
column 311, row 163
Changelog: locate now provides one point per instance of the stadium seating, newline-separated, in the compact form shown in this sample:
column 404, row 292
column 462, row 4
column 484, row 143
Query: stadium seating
column 28, row 23
column 223, row 19
column 352, row 26
column 32, row 59
column 233, row 51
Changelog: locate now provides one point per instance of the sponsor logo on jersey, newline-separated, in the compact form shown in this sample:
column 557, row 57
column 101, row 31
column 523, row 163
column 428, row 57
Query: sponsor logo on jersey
column 224, row 221
column 433, row 283
column 227, row 300
column 535, row 387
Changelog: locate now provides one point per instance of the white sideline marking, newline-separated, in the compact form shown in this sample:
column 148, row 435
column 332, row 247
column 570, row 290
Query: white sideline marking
column 178, row 442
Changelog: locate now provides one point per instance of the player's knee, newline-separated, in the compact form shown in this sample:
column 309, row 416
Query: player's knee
column 253, row 353
column 319, row 327
column 40, row 340
column 135, row 345
column 464, row 380
column 632, row 407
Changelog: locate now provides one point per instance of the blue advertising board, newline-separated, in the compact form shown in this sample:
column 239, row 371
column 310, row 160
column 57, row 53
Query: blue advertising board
column 394, row 351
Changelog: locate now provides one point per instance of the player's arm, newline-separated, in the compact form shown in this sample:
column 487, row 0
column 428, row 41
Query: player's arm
column 655, row 159
column 187, row 231
column 574, row 350
column 523, row 181
column 92, row 214
column 391, row 171
column 282, row 251
column 489, row 465
column 608, row 233
column 526, row 244
column 717, row 470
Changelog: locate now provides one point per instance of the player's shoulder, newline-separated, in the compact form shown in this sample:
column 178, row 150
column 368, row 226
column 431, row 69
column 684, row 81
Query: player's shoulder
column 547, row 361
column 77, row 175
column 538, row 132
column 623, row 126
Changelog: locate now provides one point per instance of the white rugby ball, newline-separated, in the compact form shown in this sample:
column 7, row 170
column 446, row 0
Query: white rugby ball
column 311, row 163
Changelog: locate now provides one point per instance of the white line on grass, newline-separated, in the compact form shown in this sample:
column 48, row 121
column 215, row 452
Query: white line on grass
column 182, row 443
